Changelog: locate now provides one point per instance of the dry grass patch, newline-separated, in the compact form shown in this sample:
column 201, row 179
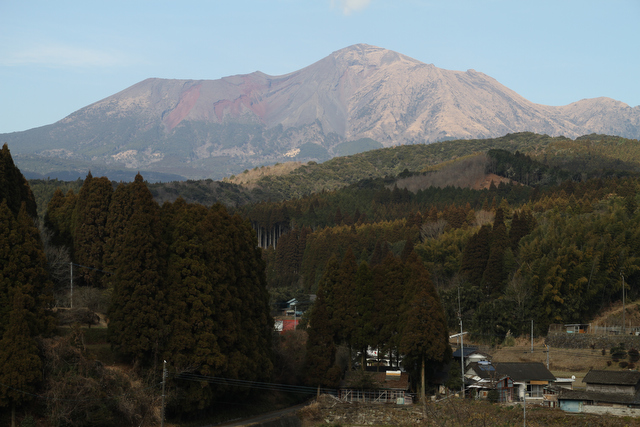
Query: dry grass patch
column 249, row 178
column 452, row 412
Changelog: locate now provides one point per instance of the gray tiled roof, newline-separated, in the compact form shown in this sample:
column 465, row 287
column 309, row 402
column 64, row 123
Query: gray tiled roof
column 612, row 377
column 484, row 371
column 620, row 398
column 525, row 371
column 468, row 350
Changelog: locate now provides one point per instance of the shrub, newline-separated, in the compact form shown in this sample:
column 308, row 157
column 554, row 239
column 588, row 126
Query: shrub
column 634, row 355
column 618, row 352
column 509, row 340
column 623, row 364
column 493, row 396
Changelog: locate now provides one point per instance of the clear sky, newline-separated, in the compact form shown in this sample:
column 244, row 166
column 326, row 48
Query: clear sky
column 59, row 56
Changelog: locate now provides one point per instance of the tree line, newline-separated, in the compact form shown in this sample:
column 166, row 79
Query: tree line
column 388, row 304
column 186, row 284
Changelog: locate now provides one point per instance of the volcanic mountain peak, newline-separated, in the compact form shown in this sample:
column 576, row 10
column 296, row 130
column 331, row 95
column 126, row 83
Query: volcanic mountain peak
column 213, row 128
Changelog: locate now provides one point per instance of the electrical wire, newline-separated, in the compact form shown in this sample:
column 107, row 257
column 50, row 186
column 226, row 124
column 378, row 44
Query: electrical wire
column 43, row 397
column 252, row 384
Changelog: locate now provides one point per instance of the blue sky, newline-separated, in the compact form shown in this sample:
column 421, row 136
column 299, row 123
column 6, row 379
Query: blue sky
column 59, row 56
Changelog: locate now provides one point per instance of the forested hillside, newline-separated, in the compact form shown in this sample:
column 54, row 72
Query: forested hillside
column 551, row 246
column 395, row 244
column 183, row 283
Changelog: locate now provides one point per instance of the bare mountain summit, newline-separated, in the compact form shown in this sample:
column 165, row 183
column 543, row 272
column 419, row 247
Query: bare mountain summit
column 212, row 128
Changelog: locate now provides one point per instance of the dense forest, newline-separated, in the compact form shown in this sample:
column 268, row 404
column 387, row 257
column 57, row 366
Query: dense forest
column 395, row 244
column 181, row 283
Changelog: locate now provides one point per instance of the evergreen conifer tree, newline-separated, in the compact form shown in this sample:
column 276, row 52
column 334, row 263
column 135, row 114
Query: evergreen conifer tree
column 19, row 359
column 14, row 188
column 31, row 273
column 344, row 303
column 364, row 334
column 138, row 298
column 321, row 349
column 424, row 331
column 90, row 220
column 475, row 255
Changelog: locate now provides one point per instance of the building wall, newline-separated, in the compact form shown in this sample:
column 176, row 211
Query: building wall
column 611, row 388
column 607, row 410
column 565, row 340
column 571, row 405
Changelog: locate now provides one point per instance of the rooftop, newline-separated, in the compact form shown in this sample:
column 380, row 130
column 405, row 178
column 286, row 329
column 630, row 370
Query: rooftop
column 525, row 371
column 595, row 376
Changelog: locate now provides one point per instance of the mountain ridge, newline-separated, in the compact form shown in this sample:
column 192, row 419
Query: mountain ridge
column 214, row 128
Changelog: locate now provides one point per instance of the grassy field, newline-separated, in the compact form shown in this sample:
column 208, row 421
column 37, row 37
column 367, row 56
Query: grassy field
column 563, row 362
column 448, row 412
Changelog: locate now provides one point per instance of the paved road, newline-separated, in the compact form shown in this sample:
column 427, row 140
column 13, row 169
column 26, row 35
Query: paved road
column 261, row 418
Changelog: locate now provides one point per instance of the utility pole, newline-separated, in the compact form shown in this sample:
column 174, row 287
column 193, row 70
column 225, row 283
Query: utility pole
column 623, row 323
column 71, row 291
column 461, row 343
column 462, row 356
column 164, row 376
column 531, row 335
column 524, row 407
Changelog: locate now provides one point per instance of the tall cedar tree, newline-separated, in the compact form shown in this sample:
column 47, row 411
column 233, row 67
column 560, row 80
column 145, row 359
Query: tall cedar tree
column 249, row 351
column 23, row 266
column 320, row 365
column 424, row 333
column 59, row 218
column 364, row 334
column 120, row 212
column 345, row 300
column 138, row 299
column 495, row 275
column 219, row 317
column 389, row 279
column 90, row 220
column 475, row 255
column 196, row 304
column 32, row 273
column 21, row 365
column 8, row 269
column 14, row 188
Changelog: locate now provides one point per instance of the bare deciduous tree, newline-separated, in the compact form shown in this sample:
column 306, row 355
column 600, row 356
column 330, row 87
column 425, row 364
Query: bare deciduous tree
column 483, row 217
column 433, row 230
column 58, row 259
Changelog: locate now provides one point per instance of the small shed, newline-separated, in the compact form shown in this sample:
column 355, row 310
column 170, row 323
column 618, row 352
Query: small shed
column 577, row 328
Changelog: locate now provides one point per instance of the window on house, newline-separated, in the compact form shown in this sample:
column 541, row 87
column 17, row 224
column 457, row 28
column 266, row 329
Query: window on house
column 534, row 390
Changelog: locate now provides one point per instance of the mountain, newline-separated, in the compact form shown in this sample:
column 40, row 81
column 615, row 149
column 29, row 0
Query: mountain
column 214, row 128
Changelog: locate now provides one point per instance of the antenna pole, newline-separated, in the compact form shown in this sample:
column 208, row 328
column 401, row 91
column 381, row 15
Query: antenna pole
column 164, row 376
column 71, row 287
column 461, row 343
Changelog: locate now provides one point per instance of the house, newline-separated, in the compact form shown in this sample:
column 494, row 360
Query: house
column 612, row 392
column 483, row 378
column 285, row 325
column 471, row 355
column 528, row 377
column 391, row 386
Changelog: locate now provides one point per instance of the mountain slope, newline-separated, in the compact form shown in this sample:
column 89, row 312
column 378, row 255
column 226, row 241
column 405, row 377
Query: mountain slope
column 213, row 128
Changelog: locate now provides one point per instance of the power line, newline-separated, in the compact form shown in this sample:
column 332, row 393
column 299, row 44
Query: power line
column 43, row 397
column 253, row 384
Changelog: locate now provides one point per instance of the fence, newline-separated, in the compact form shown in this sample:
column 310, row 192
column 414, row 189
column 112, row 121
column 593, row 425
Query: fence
column 376, row 396
column 558, row 329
